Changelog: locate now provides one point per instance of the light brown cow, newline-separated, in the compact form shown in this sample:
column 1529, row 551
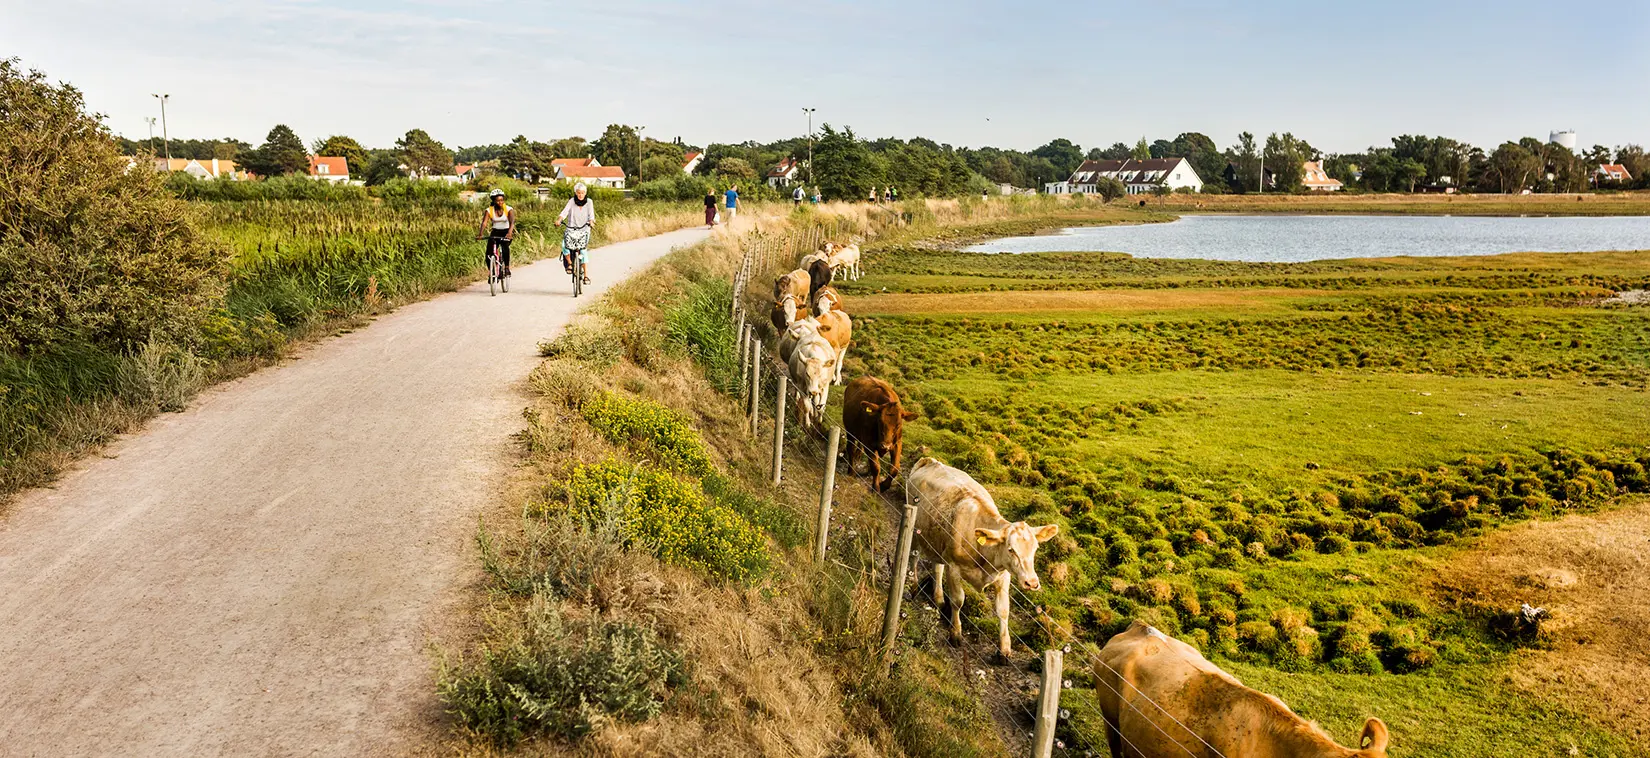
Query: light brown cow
column 1162, row 699
column 838, row 329
column 826, row 299
column 811, row 364
column 960, row 530
column 794, row 334
column 845, row 259
column 794, row 283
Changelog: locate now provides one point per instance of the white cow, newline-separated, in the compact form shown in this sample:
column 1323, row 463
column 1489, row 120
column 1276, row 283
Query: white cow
column 846, row 260
column 795, row 333
column 812, row 364
column 960, row 530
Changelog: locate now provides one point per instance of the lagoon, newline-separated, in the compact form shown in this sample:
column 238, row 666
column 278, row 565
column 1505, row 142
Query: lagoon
column 1291, row 239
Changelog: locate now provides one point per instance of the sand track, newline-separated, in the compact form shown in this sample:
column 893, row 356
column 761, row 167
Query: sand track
column 261, row 574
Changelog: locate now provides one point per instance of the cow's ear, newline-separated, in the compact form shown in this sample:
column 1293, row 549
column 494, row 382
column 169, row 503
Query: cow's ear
column 1047, row 532
column 988, row 536
column 907, row 415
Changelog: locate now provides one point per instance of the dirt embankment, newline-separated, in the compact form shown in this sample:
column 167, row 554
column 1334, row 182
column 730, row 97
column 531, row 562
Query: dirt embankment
column 1592, row 573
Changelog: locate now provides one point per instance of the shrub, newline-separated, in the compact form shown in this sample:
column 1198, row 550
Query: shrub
column 225, row 189
column 563, row 678
column 595, row 341
column 700, row 322
column 665, row 432
column 566, row 381
column 654, row 509
column 418, row 191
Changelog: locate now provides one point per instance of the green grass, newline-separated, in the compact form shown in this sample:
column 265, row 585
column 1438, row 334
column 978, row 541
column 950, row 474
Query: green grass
column 1272, row 476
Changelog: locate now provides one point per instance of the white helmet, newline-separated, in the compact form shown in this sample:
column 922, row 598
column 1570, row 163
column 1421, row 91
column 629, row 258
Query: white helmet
column 496, row 193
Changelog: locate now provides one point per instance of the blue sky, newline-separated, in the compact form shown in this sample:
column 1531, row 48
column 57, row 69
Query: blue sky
column 1341, row 75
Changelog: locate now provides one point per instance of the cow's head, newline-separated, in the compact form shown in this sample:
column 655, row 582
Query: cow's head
column 1013, row 548
column 892, row 417
column 787, row 306
column 827, row 248
column 825, row 301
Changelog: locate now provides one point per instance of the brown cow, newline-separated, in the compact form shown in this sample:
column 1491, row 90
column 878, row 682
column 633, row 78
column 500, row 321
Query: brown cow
column 960, row 530
column 826, row 299
column 786, row 312
column 819, row 275
column 875, row 421
column 838, row 329
column 1160, row 697
column 795, row 284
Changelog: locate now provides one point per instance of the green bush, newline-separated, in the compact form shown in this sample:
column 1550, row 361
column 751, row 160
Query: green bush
column 563, row 678
column 293, row 187
column 653, row 509
column 425, row 191
column 702, row 324
column 594, row 341
column 660, row 430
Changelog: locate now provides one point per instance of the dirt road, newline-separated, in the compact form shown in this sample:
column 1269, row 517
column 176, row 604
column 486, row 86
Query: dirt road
column 259, row 575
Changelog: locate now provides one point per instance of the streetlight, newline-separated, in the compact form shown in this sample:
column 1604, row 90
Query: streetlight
column 151, row 120
column 640, row 150
column 810, row 112
column 165, row 138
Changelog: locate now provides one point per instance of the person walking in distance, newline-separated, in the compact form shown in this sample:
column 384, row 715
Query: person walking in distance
column 578, row 217
column 873, row 197
column 732, row 202
column 796, row 196
column 710, row 208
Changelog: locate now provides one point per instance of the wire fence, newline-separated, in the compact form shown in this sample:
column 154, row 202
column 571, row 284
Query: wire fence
column 765, row 382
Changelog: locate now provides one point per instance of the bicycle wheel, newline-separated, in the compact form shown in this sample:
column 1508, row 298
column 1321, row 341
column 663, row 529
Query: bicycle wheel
column 578, row 274
column 492, row 276
column 503, row 279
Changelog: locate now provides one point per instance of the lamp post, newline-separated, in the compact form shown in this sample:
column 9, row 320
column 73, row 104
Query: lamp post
column 640, row 145
column 810, row 112
column 151, row 120
column 166, row 139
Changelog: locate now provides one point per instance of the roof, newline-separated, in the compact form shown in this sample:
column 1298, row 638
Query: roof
column 784, row 168
column 335, row 166
column 1314, row 176
column 590, row 172
column 463, row 168
column 689, row 158
column 1614, row 169
column 1127, row 171
column 571, row 161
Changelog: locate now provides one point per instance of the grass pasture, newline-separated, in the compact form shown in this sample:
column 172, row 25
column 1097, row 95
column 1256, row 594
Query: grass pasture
column 1278, row 462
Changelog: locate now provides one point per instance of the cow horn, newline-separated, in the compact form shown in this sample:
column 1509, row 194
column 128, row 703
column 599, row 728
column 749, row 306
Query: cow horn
column 1374, row 738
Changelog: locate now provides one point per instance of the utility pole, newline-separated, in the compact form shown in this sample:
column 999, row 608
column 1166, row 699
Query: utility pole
column 639, row 152
column 1260, row 183
column 810, row 112
column 164, row 136
column 151, row 120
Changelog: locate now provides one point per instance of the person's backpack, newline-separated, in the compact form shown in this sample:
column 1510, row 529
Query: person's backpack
column 796, row 194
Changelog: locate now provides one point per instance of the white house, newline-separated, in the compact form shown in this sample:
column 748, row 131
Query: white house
column 1313, row 178
column 208, row 168
column 785, row 174
column 466, row 172
column 1137, row 176
column 691, row 161
column 1612, row 172
column 592, row 175
column 328, row 169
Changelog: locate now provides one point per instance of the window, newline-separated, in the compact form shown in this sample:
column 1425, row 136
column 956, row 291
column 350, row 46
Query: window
column 322, row 168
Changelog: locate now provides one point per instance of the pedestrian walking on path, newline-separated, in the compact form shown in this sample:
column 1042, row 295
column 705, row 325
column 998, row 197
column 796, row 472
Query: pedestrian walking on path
column 732, row 202
column 710, row 208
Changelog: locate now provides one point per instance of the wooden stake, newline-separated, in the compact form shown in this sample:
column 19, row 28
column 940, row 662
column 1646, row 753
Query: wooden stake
column 825, row 491
column 1048, row 705
column 756, row 383
column 896, row 583
column 779, row 399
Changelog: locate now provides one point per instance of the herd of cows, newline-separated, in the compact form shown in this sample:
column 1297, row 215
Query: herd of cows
column 1159, row 696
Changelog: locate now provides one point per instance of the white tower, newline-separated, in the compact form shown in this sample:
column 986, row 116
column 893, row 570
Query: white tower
column 1566, row 138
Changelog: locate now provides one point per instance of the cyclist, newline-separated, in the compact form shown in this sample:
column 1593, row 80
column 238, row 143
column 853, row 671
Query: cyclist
column 498, row 225
column 578, row 217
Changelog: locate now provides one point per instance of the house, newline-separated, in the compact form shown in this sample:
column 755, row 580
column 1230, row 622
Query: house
column 559, row 162
column 1232, row 181
column 1315, row 180
column 465, row 172
column 204, row 168
column 591, row 175
column 691, row 161
column 328, row 169
column 788, row 172
column 1611, row 172
column 1138, row 176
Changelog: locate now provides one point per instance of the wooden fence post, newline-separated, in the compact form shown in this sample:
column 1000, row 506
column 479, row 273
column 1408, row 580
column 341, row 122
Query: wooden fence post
column 896, row 583
column 779, row 399
column 825, row 492
column 1048, row 704
column 756, row 382
column 743, row 345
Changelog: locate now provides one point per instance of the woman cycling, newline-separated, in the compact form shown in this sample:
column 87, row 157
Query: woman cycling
column 579, row 216
column 498, row 225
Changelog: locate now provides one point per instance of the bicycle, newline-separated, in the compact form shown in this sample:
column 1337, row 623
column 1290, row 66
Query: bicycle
column 576, row 261
column 497, row 280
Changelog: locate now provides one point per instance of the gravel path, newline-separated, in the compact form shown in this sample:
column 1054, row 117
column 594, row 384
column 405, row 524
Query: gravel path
column 261, row 574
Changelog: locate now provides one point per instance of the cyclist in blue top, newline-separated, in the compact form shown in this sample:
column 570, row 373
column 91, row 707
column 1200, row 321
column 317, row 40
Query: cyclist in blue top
column 733, row 201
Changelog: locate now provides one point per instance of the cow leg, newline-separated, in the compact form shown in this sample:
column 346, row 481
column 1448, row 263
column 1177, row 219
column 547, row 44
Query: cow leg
column 954, row 594
column 875, row 459
column 852, row 446
column 939, row 584
column 841, row 355
column 1003, row 645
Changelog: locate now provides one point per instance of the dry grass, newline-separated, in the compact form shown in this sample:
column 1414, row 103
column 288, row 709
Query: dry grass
column 1043, row 301
column 1593, row 573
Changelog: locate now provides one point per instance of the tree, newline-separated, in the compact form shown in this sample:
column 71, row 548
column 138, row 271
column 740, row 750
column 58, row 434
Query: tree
column 1636, row 161
column 339, row 146
column 1118, row 151
column 382, row 166
column 1141, row 151
column 1286, row 160
column 1511, row 167
column 423, row 155
column 660, row 167
column 1064, row 156
column 1409, row 172
column 1109, row 189
column 92, row 251
column 1246, row 158
column 281, row 153
column 621, row 146
column 845, row 168
column 735, row 168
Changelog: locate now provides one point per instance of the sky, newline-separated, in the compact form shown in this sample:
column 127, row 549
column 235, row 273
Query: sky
column 1342, row 75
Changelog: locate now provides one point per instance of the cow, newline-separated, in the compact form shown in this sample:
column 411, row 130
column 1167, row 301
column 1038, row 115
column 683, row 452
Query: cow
column 785, row 312
column 795, row 333
column 1160, row 697
column 846, row 260
column 794, row 283
column 961, row 532
column 826, row 299
column 811, row 364
column 875, row 422
column 838, row 329
column 819, row 275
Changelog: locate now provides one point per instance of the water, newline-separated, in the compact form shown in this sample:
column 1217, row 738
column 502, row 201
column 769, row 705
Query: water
column 1289, row 239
